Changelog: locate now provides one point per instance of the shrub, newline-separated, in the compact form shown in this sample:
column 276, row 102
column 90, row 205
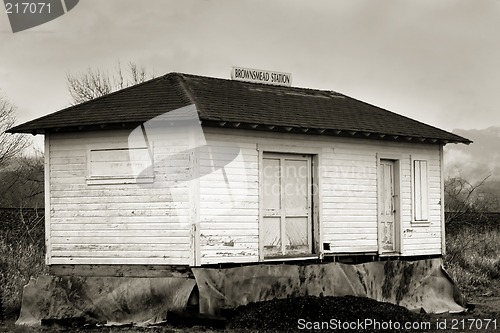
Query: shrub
column 22, row 252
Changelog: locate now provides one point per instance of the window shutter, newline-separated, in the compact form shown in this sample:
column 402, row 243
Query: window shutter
column 420, row 193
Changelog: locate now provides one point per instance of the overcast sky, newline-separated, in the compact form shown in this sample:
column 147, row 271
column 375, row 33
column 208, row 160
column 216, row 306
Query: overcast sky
column 434, row 61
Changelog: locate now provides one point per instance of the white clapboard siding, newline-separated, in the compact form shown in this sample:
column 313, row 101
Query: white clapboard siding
column 229, row 200
column 425, row 238
column 348, row 177
column 116, row 223
column 151, row 223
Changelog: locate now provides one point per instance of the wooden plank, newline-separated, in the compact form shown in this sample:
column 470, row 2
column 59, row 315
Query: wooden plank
column 441, row 202
column 209, row 222
column 63, row 161
column 354, row 199
column 218, row 259
column 119, row 261
column 116, row 247
column 122, row 270
column 122, row 254
column 225, row 253
column 423, row 251
column 85, row 192
column 194, row 212
column 160, row 220
column 317, row 204
column 229, row 232
column 224, row 191
column 332, row 228
column 118, row 227
column 224, row 241
column 228, row 198
column 361, row 249
column 349, row 181
column 182, row 241
column 432, row 241
column 178, row 212
column 369, row 189
column 71, row 153
column 353, row 244
column 350, row 207
column 69, row 199
column 120, row 233
column 249, row 184
column 75, row 167
column 215, row 205
column 110, row 206
column 68, row 180
column 47, row 201
column 220, row 224
column 209, row 173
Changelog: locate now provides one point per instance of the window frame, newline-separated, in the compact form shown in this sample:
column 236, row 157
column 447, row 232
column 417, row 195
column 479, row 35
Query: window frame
column 424, row 210
column 120, row 179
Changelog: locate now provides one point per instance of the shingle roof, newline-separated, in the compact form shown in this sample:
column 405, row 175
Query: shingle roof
column 235, row 104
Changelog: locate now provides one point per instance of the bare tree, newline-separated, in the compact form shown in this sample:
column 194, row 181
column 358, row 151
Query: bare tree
column 463, row 197
column 95, row 82
column 22, row 183
column 10, row 144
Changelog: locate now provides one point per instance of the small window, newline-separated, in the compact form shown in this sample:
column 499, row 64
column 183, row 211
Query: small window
column 119, row 166
column 420, row 191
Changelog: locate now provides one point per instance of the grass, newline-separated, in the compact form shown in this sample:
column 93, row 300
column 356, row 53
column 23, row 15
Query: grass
column 473, row 257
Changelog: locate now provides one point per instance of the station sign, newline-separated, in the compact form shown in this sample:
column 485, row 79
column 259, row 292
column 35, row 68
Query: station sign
column 261, row 76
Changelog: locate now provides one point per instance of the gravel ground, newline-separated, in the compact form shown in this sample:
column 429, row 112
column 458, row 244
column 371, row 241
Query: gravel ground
column 294, row 314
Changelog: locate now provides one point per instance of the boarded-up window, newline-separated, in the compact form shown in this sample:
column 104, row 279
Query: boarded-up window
column 420, row 191
column 119, row 165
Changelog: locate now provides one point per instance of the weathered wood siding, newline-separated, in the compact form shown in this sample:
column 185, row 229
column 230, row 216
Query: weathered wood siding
column 152, row 223
column 229, row 202
column 348, row 184
column 116, row 223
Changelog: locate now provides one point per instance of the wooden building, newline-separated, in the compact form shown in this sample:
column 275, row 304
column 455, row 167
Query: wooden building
column 260, row 173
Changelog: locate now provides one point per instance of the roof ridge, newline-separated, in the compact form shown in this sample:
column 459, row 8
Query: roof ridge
column 275, row 86
column 189, row 92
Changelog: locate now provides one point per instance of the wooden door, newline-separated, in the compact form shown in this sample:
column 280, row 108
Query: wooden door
column 387, row 209
column 286, row 216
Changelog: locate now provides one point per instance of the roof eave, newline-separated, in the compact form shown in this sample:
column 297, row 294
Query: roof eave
column 254, row 126
column 334, row 132
column 76, row 128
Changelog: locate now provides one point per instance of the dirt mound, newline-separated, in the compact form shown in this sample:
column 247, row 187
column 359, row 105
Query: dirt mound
column 347, row 313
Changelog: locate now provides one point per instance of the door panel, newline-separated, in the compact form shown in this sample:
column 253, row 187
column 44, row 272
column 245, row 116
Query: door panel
column 272, row 187
column 287, row 228
column 297, row 235
column 271, row 236
column 387, row 219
